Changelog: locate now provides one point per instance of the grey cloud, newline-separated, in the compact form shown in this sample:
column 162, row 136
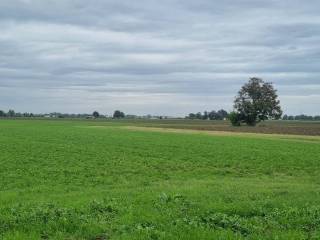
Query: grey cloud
column 151, row 56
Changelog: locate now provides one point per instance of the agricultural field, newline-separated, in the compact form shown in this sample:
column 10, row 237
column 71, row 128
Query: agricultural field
column 267, row 127
column 73, row 179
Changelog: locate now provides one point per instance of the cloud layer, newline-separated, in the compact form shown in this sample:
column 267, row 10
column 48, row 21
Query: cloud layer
column 160, row 57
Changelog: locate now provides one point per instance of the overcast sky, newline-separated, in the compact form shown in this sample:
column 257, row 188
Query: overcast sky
column 167, row 57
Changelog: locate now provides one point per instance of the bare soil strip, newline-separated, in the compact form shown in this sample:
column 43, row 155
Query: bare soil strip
column 315, row 139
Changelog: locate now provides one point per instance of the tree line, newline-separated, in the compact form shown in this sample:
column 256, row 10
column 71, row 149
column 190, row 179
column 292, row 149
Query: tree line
column 256, row 101
column 12, row 114
column 212, row 115
column 117, row 114
column 301, row 117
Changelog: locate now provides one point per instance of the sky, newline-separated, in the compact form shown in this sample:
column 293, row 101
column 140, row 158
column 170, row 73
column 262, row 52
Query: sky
column 167, row 57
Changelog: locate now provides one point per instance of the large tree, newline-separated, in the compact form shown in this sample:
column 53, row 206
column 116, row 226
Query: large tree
column 257, row 101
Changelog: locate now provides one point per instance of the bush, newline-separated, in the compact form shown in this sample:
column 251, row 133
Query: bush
column 235, row 118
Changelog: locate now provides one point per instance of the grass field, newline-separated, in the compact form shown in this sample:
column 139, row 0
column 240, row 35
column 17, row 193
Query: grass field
column 110, row 180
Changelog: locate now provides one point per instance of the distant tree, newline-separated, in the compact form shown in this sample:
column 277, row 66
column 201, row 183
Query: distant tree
column 95, row 114
column 192, row 116
column 199, row 115
column 118, row 114
column 213, row 115
column 304, row 117
column 222, row 114
column 257, row 101
column 205, row 115
column 11, row 113
column 2, row 113
column 301, row 117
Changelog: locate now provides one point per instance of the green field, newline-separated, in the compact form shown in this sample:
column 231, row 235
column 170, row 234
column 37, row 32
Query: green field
column 104, row 180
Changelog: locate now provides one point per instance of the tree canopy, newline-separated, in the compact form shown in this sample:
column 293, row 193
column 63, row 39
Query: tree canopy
column 211, row 115
column 95, row 114
column 257, row 101
column 118, row 114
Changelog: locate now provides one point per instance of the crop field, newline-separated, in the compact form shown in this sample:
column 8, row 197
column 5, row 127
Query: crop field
column 144, row 180
column 268, row 127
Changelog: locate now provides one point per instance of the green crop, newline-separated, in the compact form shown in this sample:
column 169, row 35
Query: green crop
column 99, row 180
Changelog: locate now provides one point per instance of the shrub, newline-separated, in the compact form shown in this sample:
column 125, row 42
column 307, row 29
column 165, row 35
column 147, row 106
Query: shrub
column 235, row 118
